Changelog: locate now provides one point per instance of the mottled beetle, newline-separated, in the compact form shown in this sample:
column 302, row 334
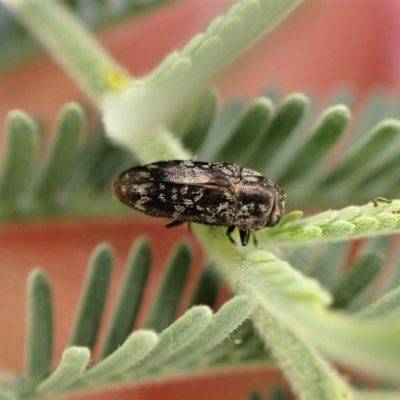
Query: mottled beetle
column 219, row 194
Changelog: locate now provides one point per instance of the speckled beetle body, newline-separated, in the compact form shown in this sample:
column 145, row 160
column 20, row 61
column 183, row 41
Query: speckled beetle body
column 218, row 194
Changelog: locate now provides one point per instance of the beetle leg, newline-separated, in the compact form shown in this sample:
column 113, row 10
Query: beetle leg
column 173, row 224
column 244, row 237
column 228, row 233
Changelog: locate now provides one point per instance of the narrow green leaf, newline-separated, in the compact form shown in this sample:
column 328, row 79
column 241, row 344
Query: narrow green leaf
column 330, row 260
column 177, row 69
column 393, row 276
column 97, row 164
column 207, row 288
column 168, row 64
column 168, row 298
column 248, row 133
column 135, row 348
column 221, row 129
column 292, row 216
column 386, row 306
column 200, row 120
column 21, row 137
column 40, row 326
column 74, row 362
column 86, row 163
column 302, row 258
column 59, row 159
column 93, row 298
column 328, row 130
column 174, row 338
column 373, row 112
column 367, row 150
column 390, row 167
column 224, row 322
column 378, row 245
column 109, row 165
column 355, row 279
column 130, row 296
column 283, row 124
column 242, row 345
column 309, row 374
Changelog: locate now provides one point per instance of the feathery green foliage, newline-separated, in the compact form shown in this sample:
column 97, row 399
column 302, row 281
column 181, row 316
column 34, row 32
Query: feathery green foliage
column 336, row 225
column 294, row 314
column 138, row 355
column 87, row 180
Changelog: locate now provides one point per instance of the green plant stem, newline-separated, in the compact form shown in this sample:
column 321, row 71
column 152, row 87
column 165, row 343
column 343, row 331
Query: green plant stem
column 301, row 362
column 300, row 303
column 75, row 49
